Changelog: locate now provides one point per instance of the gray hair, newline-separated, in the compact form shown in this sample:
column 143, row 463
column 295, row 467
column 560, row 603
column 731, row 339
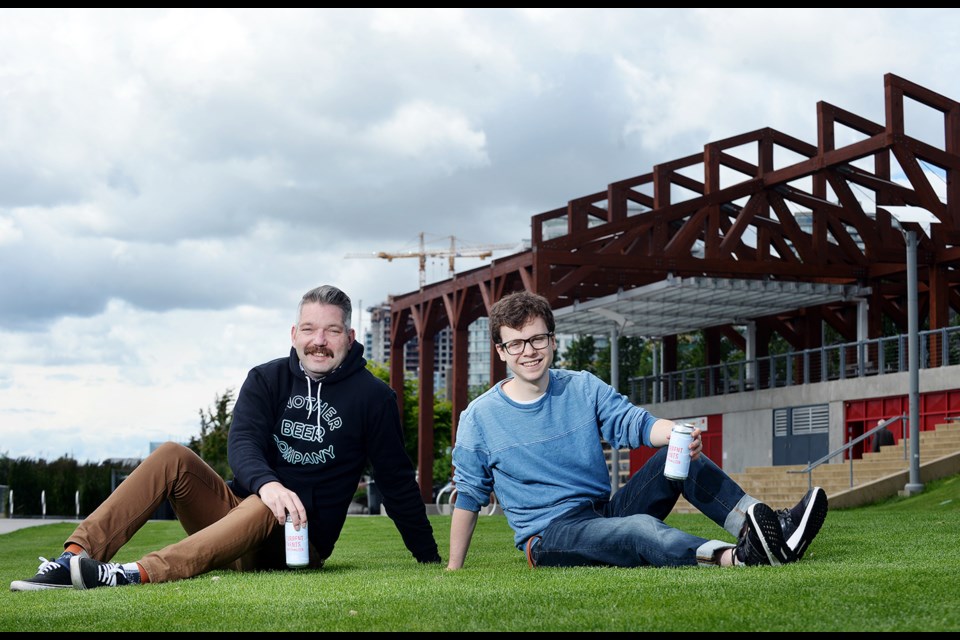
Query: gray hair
column 328, row 294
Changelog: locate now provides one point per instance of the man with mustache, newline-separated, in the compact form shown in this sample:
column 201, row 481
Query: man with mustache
column 304, row 427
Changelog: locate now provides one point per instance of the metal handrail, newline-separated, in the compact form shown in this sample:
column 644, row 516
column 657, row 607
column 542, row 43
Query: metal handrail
column 816, row 463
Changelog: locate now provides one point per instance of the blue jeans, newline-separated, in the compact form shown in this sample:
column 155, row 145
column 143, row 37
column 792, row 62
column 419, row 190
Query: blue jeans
column 628, row 530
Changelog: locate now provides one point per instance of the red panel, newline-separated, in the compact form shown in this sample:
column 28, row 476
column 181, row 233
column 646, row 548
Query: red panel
column 713, row 439
column 874, row 407
column 856, row 410
column 935, row 408
column 935, row 403
column 953, row 403
column 898, row 405
column 639, row 457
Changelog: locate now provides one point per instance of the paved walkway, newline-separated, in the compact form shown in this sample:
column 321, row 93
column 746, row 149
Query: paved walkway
column 12, row 524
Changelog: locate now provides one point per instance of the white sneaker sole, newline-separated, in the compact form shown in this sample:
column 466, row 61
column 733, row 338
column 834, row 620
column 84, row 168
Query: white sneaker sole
column 813, row 517
column 75, row 577
column 24, row 585
column 771, row 557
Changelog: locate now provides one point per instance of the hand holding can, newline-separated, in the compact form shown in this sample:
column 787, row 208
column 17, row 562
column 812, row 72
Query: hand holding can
column 677, row 465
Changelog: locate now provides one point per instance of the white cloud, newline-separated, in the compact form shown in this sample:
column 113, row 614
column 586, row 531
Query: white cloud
column 430, row 135
column 172, row 180
column 9, row 231
column 126, row 375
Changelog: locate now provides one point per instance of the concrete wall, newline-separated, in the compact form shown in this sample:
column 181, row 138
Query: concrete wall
column 748, row 417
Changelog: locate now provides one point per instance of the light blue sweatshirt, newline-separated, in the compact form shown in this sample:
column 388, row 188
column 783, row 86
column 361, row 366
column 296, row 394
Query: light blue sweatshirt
column 545, row 457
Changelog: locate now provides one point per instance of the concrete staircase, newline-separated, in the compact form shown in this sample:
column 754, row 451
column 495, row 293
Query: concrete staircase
column 874, row 477
column 624, row 459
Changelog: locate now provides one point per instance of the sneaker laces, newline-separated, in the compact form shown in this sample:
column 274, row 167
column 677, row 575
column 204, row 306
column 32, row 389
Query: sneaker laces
column 785, row 516
column 741, row 547
column 47, row 565
column 111, row 574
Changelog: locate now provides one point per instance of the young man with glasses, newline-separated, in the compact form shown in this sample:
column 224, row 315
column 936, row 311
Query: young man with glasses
column 536, row 440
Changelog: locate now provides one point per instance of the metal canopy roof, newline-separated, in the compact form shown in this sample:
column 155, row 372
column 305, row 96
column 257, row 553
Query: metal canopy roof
column 682, row 305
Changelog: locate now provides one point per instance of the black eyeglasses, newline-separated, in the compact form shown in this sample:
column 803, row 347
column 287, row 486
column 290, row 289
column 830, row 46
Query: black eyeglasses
column 516, row 347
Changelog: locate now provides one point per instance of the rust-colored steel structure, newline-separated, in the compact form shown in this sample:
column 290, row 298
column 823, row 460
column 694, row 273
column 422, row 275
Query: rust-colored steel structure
column 738, row 219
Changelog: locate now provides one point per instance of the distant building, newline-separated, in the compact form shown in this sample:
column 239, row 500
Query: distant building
column 376, row 341
column 478, row 353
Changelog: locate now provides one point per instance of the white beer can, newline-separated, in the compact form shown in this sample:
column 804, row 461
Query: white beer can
column 298, row 545
column 678, row 452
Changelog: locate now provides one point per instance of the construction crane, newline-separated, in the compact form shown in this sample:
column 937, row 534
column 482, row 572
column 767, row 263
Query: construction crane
column 481, row 251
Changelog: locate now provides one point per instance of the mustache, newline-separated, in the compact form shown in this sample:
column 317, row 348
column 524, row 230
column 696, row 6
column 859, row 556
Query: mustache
column 319, row 351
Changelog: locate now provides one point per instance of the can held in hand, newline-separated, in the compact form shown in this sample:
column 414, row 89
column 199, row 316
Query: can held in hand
column 677, row 465
column 298, row 545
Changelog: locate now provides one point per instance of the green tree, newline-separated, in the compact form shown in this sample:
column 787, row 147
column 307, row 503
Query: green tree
column 442, row 422
column 637, row 356
column 442, row 436
column 57, row 482
column 631, row 354
column 691, row 351
column 475, row 391
column 580, row 355
column 411, row 410
column 214, row 428
column 94, row 484
column 60, row 480
column 26, row 479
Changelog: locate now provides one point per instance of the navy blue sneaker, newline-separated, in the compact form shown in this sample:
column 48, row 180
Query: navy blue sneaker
column 87, row 573
column 52, row 574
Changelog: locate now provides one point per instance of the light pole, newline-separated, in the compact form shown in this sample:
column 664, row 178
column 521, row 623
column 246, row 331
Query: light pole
column 913, row 485
column 619, row 324
column 923, row 216
column 615, row 382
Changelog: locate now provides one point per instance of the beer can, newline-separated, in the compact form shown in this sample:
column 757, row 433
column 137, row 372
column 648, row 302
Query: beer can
column 298, row 545
column 677, row 465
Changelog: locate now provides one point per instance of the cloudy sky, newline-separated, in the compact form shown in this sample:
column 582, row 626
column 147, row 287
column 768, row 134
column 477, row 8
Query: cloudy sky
column 171, row 181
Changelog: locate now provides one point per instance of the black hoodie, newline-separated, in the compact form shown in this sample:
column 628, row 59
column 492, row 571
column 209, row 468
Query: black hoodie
column 315, row 439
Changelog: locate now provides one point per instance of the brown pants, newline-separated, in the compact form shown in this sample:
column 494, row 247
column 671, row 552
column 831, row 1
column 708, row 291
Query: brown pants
column 222, row 530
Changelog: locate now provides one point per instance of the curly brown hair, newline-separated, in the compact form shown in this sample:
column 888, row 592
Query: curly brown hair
column 516, row 309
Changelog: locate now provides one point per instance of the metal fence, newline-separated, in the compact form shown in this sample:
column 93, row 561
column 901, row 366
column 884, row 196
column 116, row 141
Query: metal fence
column 878, row 356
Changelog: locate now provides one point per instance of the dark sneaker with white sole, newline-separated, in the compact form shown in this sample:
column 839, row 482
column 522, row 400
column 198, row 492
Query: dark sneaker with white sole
column 761, row 539
column 52, row 574
column 87, row 573
column 801, row 524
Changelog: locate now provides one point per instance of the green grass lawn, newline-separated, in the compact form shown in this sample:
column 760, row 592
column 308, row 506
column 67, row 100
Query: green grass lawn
column 887, row 567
